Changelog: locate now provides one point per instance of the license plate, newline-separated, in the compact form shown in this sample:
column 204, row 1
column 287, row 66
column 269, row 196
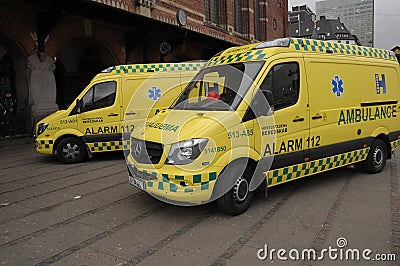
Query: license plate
column 137, row 183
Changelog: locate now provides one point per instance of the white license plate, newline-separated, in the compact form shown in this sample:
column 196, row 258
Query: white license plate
column 137, row 183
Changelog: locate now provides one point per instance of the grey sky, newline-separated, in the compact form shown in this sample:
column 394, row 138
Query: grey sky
column 387, row 19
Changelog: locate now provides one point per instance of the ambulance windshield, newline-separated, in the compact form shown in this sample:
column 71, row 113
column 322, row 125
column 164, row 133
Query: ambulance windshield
column 219, row 88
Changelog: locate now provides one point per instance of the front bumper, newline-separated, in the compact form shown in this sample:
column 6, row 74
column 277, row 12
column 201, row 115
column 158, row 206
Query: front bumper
column 179, row 189
column 44, row 145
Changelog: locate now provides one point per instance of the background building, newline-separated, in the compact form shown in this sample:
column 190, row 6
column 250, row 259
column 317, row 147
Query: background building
column 357, row 15
column 79, row 38
column 301, row 25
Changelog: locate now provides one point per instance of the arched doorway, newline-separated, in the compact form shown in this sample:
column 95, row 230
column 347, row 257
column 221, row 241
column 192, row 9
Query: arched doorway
column 76, row 64
column 13, row 78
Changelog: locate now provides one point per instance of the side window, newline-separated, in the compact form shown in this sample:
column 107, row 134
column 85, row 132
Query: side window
column 99, row 96
column 284, row 82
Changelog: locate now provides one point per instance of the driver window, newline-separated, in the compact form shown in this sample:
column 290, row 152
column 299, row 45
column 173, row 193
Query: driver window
column 284, row 82
column 99, row 96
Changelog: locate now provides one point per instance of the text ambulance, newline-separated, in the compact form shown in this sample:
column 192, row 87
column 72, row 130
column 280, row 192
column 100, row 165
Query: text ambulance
column 310, row 106
column 95, row 121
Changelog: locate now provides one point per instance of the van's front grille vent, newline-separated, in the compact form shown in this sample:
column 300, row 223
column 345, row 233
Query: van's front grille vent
column 146, row 152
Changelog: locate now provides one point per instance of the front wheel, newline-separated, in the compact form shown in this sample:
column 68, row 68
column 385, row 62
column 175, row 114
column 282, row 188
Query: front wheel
column 71, row 150
column 376, row 159
column 238, row 199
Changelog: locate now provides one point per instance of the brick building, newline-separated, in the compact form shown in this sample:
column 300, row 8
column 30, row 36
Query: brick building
column 83, row 37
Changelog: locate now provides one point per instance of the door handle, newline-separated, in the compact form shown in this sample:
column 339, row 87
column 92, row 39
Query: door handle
column 131, row 113
column 112, row 114
column 316, row 117
column 298, row 119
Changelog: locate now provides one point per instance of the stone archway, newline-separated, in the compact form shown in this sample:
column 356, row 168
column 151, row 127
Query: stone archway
column 13, row 77
column 77, row 63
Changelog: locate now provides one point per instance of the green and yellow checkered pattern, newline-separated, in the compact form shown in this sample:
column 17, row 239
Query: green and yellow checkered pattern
column 302, row 45
column 165, row 182
column 143, row 68
column 47, row 144
column 286, row 174
column 307, row 45
column 395, row 144
column 240, row 57
column 108, row 146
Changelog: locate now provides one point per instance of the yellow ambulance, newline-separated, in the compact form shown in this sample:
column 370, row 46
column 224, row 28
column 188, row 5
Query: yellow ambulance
column 95, row 121
column 269, row 113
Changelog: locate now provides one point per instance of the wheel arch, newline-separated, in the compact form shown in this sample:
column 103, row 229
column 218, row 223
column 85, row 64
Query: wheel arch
column 60, row 138
column 385, row 139
column 225, row 179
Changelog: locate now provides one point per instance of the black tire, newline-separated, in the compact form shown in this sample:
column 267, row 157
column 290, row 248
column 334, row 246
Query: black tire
column 71, row 150
column 376, row 159
column 238, row 199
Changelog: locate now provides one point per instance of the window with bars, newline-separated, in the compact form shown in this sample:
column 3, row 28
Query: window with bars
column 238, row 16
column 241, row 16
column 260, row 16
column 215, row 11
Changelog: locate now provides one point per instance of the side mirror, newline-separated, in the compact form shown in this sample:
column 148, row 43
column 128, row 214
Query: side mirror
column 79, row 106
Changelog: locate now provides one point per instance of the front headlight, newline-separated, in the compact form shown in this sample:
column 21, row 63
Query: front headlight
column 187, row 151
column 41, row 128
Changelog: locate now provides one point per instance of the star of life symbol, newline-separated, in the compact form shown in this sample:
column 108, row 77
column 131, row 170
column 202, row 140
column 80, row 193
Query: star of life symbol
column 337, row 84
column 154, row 93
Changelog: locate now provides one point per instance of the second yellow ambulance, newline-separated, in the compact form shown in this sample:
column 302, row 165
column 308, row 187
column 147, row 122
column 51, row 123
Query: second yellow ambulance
column 101, row 114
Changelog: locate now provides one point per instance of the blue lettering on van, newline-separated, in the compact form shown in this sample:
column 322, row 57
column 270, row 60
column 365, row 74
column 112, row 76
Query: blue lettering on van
column 380, row 84
column 154, row 93
column 337, row 84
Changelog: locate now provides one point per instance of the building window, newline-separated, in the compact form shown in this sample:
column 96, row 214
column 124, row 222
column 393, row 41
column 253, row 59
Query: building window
column 257, row 20
column 215, row 11
column 241, row 16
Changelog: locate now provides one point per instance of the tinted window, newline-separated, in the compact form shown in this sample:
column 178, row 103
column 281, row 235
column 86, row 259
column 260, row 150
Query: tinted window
column 284, row 82
column 99, row 96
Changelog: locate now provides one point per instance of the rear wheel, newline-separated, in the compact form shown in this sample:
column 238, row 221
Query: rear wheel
column 71, row 150
column 238, row 199
column 376, row 159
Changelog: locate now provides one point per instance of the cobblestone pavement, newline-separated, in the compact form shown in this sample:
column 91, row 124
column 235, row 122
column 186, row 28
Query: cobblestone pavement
column 88, row 214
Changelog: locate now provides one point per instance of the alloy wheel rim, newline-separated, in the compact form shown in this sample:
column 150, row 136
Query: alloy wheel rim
column 241, row 190
column 71, row 151
column 378, row 157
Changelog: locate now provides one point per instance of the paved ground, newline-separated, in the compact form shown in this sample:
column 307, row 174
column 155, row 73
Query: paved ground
column 88, row 214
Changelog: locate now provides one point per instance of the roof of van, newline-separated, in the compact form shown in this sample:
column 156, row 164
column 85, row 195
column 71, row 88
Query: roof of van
column 144, row 68
column 261, row 51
